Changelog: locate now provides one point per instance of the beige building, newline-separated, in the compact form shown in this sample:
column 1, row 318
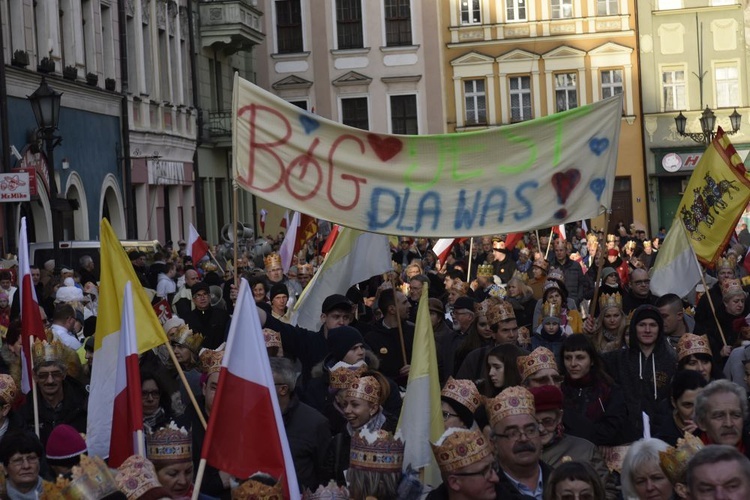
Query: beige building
column 510, row 61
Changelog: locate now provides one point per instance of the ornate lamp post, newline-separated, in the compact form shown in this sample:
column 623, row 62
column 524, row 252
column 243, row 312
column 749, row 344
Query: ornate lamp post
column 708, row 121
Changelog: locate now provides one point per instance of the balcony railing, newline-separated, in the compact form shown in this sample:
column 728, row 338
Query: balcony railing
column 219, row 123
column 230, row 25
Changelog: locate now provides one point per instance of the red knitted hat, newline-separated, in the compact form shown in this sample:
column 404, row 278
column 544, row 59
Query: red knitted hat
column 65, row 442
column 547, row 397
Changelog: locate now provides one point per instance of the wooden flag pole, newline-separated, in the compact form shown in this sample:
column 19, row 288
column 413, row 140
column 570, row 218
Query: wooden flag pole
column 187, row 386
column 468, row 262
column 398, row 322
column 234, row 228
column 141, row 445
column 33, row 387
column 599, row 265
column 217, row 262
column 549, row 244
column 199, row 479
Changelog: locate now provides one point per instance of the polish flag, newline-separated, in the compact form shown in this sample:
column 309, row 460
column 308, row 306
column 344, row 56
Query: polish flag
column 559, row 231
column 285, row 221
column 512, row 239
column 442, row 248
column 331, row 239
column 286, row 250
column 31, row 317
column 263, row 214
column 246, row 416
column 196, row 247
column 127, row 415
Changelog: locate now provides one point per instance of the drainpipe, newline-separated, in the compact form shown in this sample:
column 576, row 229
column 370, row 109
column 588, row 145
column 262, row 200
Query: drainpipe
column 199, row 208
column 130, row 215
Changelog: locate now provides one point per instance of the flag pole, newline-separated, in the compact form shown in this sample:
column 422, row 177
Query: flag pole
column 140, row 450
column 549, row 244
column 217, row 262
column 185, row 383
column 536, row 231
column 199, row 479
column 34, row 389
column 398, row 322
column 236, row 239
column 599, row 265
column 468, row 263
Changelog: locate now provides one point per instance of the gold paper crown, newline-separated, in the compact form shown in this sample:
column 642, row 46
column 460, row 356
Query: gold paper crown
column 610, row 300
column 725, row 263
column 48, row 352
column 480, row 308
column 169, row 445
column 521, row 276
column 541, row 264
column 8, row 389
column 550, row 310
column 366, row 388
column 255, row 490
column 731, row 286
column 556, row 274
column 674, row 460
column 343, row 375
column 136, row 476
column 272, row 260
column 185, row 336
column 209, row 361
column 540, row 358
column 646, row 243
column 305, row 269
column 692, row 344
column 459, row 448
column 485, row 271
column 273, row 339
column 500, row 310
column 376, row 451
column 630, row 245
column 514, row 400
column 91, row 479
column 331, row 491
column 210, row 267
column 610, row 238
column 463, row 392
column 592, row 238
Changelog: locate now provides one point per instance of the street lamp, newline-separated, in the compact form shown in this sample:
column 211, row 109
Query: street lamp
column 45, row 103
column 707, row 121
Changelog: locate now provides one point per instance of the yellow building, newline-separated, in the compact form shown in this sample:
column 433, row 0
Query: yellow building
column 507, row 61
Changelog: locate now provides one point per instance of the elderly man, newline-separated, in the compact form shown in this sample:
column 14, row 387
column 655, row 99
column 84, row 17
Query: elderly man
column 579, row 285
column 447, row 345
column 539, row 368
column 275, row 274
column 638, row 292
column 718, row 472
column 720, row 411
column 182, row 302
column 466, row 466
column 515, row 434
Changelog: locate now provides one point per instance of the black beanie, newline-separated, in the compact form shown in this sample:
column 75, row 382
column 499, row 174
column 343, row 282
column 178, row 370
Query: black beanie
column 278, row 289
column 642, row 312
column 341, row 340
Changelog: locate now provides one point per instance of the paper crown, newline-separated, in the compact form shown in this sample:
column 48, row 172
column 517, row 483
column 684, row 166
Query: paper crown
column 90, row 479
column 272, row 260
column 610, row 238
column 610, row 300
column 550, row 310
column 137, row 476
column 521, row 276
column 169, row 445
column 480, row 308
column 186, row 337
column 209, row 361
column 305, row 270
column 646, row 243
column 556, row 274
column 725, row 263
column 514, row 400
column 500, row 310
column 674, row 460
column 273, row 339
column 255, row 490
column 485, row 271
column 48, row 352
column 541, row 264
column 592, row 238
column 343, row 375
column 463, row 392
column 551, row 285
column 366, row 388
column 376, row 451
column 459, row 448
column 692, row 344
column 8, row 389
column 630, row 245
column 331, row 491
column 540, row 358
column 731, row 286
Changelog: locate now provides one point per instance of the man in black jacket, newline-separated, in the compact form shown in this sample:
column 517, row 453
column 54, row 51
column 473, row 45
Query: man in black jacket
column 209, row 321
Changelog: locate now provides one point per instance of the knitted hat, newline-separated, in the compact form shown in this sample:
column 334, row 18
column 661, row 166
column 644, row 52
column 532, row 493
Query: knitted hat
column 64, row 442
column 278, row 289
column 547, row 398
column 137, row 478
column 464, row 303
column 646, row 311
column 613, row 252
column 341, row 340
column 173, row 322
column 459, row 448
column 607, row 271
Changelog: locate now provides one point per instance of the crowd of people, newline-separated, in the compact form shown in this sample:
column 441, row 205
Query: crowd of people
column 563, row 376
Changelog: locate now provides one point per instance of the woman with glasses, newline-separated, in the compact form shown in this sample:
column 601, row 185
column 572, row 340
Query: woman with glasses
column 459, row 399
column 594, row 408
column 20, row 453
column 157, row 402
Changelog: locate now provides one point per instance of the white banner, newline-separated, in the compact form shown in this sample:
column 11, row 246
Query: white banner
column 534, row 174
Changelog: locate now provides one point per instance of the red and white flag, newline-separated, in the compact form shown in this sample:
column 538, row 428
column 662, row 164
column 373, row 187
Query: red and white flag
column 559, row 231
column 331, row 239
column 127, row 415
column 263, row 214
column 442, row 248
column 286, row 250
column 31, row 317
column 246, row 417
column 196, row 247
column 285, row 221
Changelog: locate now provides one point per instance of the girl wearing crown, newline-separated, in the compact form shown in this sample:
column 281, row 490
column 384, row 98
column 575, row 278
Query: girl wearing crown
column 607, row 332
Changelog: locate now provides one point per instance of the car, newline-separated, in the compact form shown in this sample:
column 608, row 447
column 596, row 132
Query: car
column 72, row 251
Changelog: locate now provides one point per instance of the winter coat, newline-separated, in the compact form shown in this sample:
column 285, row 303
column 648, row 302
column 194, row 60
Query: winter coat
column 593, row 410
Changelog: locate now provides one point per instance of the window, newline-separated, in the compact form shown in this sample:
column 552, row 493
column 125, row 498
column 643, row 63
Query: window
column 354, row 112
column 397, row 23
column 288, row 26
column 516, row 10
column 404, row 114
column 562, row 9
column 673, row 89
column 471, row 12
column 475, row 100
column 611, row 82
column 606, row 7
column 566, row 94
column 349, row 24
column 300, row 104
column 520, row 98
column 727, row 85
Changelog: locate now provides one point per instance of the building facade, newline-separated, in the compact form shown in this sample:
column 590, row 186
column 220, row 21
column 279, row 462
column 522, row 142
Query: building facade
column 508, row 61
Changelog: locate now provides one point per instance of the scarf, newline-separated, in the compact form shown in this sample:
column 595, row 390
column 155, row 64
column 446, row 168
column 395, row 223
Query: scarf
column 150, row 420
column 374, row 424
column 32, row 494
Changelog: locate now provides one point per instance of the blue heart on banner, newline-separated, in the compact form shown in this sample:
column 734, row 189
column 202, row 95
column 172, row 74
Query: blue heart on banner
column 309, row 123
column 598, row 146
column 597, row 187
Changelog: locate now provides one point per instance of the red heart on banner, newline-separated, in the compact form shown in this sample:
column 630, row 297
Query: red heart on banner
column 565, row 182
column 386, row 148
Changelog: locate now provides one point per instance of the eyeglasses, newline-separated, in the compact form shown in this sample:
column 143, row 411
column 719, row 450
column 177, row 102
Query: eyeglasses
column 203, row 295
column 642, row 282
column 45, row 375
column 530, row 431
column 31, row 459
column 447, row 415
column 486, row 472
column 150, row 394
column 548, row 421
